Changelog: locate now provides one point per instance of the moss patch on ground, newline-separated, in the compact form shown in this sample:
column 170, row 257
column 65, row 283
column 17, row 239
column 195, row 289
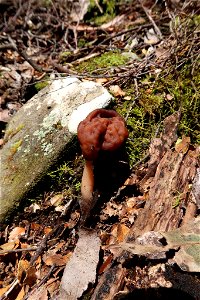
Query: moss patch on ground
column 108, row 11
column 158, row 98
column 105, row 60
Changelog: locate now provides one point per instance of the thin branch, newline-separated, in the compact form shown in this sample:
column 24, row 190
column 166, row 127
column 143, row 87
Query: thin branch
column 157, row 30
column 18, row 250
column 25, row 56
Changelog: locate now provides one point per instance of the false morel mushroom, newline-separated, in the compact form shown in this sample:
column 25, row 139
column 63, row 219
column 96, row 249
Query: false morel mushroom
column 102, row 130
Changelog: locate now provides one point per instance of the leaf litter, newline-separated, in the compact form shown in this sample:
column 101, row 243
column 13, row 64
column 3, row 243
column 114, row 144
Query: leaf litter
column 153, row 202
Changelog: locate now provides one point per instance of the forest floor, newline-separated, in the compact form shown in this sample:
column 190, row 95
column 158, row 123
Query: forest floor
column 146, row 53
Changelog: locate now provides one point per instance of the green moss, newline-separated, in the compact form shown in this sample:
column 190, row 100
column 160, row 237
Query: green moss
column 106, row 60
column 46, row 3
column 67, row 177
column 177, row 200
column 158, row 98
column 81, row 43
column 109, row 10
column 41, row 84
column 102, row 19
column 11, row 132
column 14, row 148
column 64, row 56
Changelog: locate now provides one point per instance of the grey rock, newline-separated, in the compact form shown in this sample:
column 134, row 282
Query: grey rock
column 40, row 131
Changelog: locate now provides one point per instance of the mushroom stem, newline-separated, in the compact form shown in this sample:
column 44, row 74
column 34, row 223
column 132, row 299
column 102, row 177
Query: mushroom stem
column 87, row 188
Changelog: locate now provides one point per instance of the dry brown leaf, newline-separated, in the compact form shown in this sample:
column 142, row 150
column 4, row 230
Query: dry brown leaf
column 33, row 208
column 16, row 233
column 4, row 290
column 56, row 259
column 105, row 264
column 26, row 274
column 52, row 285
column 23, row 265
column 122, row 231
column 35, row 226
column 114, row 22
column 24, row 245
column 117, row 91
column 8, row 246
column 47, row 230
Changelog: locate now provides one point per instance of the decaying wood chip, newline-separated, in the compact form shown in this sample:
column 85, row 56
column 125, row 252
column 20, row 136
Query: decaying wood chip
column 110, row 283
column 168, row 192
column 80, row 270
column 159, row 146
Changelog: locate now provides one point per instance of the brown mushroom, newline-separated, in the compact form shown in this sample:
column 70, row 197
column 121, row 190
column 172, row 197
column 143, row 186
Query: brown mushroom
column 102, row 130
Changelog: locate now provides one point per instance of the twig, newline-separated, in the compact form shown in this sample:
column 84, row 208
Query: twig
column 157, row 30
column 80, row 60
column 136, row 29
column 98, row 6
column 25, row 56
column 42, row 245
column 43, row 280
column 6, row 46
column 13, row 285
column 17, row 250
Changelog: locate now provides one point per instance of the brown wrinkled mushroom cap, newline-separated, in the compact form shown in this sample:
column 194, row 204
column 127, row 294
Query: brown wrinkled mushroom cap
column 101, row 130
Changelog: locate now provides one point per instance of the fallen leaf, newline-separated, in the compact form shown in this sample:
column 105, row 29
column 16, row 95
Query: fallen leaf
column 47, row 230
column 16, row 233
column 196, row 188
column 187, row 238
column 32, row 208
column 81, row 268
column 105, row 264
column 52, row 286
column 8, row 246
column 116, row 21
column 57, row 199
column 151, row 38
column 127, row 98
column 4, row 290
column 182, row 145
column 117, row 91
column 122, row 231
column 35, row 226
column 26, row 274
column 101, row 80
column 56, row 259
